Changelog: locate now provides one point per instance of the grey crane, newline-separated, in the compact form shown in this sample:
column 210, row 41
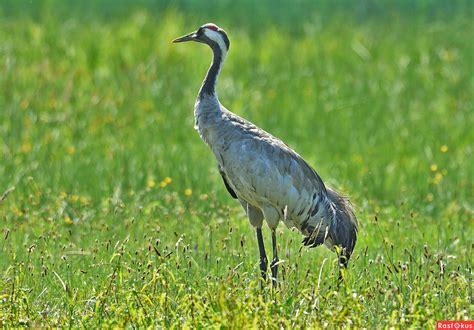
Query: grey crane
column 270, row 180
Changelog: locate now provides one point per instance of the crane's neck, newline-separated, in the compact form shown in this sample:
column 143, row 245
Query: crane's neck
column 207, row 110
column 208, row 87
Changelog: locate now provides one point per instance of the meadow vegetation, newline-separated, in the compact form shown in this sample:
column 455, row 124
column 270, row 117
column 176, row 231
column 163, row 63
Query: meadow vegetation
column 112, row 212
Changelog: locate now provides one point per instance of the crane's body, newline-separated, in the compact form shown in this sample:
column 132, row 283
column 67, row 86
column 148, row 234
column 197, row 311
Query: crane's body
column 269, row 179
column 265, row 173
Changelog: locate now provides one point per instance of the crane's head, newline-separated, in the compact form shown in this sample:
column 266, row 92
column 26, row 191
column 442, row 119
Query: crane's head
column 209, row 34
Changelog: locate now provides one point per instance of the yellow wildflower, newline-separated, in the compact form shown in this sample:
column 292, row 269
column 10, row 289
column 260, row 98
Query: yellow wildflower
column 166, row 181
column 71, row 150
column 188, row 191
column 68, row 220
column 444, row 148
column 438, row 177
column 150, row 183
column 17, row 211
column 25, row 147
column 434, row 167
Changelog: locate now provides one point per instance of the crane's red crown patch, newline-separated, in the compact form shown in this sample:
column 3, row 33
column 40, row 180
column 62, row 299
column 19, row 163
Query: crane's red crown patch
column 211, row 26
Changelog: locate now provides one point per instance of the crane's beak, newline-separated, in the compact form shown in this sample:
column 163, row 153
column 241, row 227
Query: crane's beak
column 189, row 37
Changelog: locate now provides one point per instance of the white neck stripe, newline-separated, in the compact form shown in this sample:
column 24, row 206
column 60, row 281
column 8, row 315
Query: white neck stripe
column 217, row 37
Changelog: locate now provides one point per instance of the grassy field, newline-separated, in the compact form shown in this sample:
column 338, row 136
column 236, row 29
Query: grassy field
column 112, row 212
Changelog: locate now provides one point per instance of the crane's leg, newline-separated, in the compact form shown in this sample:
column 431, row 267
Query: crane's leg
column 263, row 255
column 274, row 263
column 256, row 220
column 272, row 217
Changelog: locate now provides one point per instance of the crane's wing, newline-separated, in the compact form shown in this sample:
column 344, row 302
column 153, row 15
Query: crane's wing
column 229, row 189
column 263, row 147
column 281, row 163
column 264, row 170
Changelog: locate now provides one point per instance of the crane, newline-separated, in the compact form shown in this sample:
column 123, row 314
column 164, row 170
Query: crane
column 269, row 179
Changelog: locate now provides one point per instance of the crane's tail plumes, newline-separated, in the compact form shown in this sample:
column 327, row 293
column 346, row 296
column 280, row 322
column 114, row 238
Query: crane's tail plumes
column 343, row 230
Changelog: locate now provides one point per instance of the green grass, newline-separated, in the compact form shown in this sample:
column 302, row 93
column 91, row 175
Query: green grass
column 96, row 112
